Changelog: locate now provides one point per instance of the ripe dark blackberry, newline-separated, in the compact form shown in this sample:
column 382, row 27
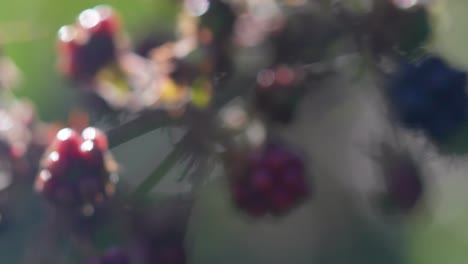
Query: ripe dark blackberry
column 272, row 181
column 393, row 27
column 430, row 97
column 97, row 136
column 75, row 171
column 278, row 92
column 100, row 20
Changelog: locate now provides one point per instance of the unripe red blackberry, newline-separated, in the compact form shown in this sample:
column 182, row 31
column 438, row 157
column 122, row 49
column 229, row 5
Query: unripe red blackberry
column 67, row 143
column 92, row 157
column 75, row 172
column 69, row 42
column 90, row 44
column 97, row 136
column 278, row 92
column 272, row 180
column 99, row 20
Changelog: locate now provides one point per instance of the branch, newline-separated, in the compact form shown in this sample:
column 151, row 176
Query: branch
column 141, row 125
column 163, row 168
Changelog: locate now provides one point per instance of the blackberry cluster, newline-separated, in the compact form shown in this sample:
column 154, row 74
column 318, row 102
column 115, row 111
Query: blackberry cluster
column 430, row 97
column 76, row 170
column 272, row 181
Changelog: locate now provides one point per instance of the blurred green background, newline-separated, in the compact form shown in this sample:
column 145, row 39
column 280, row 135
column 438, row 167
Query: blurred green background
column 330, row 229
column 29, row 29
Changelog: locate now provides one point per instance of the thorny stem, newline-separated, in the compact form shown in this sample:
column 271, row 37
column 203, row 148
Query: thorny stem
column 141, row 125
column 203, row 133
column 163, row 168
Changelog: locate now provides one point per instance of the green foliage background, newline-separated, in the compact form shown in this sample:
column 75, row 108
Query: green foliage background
column 29, row 29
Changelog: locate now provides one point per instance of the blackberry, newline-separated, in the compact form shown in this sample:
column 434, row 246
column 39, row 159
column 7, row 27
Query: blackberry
column 75, row 170
column 272, row 181
column 89, row 45
column 278, row 92
column 430, row 97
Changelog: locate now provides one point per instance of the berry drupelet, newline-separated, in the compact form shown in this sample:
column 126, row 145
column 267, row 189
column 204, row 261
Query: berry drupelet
column 76, row 171
column 279, row 91
column 89, row 45
column 430, row 97
column 272, row 181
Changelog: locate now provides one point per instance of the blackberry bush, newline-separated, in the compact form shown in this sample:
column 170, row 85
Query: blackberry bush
column 233, row 87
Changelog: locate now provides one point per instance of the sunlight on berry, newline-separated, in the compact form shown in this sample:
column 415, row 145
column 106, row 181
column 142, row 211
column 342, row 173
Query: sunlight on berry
column 42, row 178
column 234, row 117
column 405, row 3
column 67, row 33
column 89, row 133
column 104, row 11
column 89, row 18
column 54, row 156
column 197, row 7
column 88, row 145
column 45, row 175
column 64, row 134
column 256, row 133
column 5, row 121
